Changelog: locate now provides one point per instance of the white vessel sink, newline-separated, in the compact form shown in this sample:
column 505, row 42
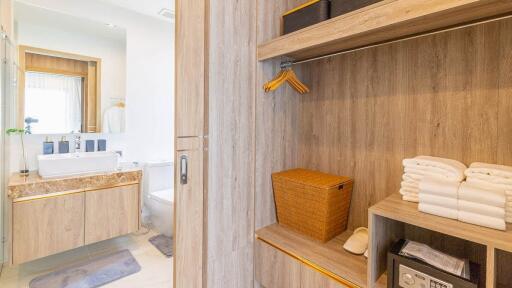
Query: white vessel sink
column 71, row 164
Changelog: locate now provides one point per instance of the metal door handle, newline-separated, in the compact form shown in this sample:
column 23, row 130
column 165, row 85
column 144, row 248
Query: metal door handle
column 183, row 170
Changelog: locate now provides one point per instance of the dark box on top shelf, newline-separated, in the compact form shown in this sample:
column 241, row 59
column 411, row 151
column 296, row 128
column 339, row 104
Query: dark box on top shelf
column 340, row 7
column 311, row 13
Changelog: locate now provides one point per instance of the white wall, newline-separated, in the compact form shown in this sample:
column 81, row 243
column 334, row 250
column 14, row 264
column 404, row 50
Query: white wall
column 149, row 77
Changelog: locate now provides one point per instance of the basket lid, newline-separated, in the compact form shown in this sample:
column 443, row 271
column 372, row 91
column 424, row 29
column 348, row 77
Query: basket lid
column 312, row 178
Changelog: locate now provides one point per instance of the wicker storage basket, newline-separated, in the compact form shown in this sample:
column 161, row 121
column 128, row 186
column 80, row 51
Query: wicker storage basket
column 312, row 203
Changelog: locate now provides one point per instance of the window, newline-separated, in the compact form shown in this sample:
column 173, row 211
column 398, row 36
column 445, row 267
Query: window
column 53, row 103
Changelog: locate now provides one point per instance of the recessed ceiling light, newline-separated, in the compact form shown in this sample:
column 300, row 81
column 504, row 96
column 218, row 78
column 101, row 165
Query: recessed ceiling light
column 167, row 13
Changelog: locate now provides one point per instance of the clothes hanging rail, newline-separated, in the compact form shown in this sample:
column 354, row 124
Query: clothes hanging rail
column 289, row 63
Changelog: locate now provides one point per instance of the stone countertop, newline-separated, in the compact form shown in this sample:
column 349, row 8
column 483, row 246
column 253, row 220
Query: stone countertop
column 34, row 185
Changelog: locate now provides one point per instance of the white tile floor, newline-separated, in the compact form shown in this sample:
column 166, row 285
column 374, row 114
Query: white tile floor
column 156, row 269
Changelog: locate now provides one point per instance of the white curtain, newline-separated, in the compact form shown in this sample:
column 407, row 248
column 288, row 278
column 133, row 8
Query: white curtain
column 55, row 101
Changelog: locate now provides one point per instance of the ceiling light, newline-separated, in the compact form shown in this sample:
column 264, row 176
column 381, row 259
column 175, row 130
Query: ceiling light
column 167, row 13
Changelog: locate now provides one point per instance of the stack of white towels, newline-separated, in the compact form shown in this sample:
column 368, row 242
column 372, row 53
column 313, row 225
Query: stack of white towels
column 485, row 198
column 439, row 176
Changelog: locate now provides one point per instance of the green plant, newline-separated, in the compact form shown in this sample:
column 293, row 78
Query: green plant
column 20, row 132
column 15, row 131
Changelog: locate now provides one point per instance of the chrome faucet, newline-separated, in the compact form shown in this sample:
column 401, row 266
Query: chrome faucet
column 77, row 143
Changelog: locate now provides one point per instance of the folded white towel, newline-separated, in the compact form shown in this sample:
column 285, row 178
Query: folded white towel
column 410, row 198
column 481, row 209
column 472, row 193
column 431, row 174
column 486, row 221
column 490, row 169
column 445, row 202
column 438, row 210
column 508, row 193
column 406, row 191
column 490, row 178
column 445, row 166
column 405, row 184
column 412, row 177
column 439, row 187
column 488, row 185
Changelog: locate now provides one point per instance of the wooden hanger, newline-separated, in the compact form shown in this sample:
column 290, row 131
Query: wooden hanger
column 286, row 75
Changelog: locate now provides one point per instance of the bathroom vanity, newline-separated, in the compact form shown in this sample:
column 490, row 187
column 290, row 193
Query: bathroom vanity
column 49, row 216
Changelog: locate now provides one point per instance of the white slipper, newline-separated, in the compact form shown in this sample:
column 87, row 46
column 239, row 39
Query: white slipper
column 358, row 242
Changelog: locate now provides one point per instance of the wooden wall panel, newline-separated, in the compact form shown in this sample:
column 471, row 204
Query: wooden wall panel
column 276, row 116
column 231, row 90
column 446, row 95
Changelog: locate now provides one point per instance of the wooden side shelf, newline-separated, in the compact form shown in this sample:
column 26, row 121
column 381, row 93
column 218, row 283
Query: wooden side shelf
column 394, row 208
column 328, row 258
column 381, row 22
column 392, row 219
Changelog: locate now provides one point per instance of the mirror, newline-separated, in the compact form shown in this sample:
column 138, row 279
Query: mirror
column 72, row 73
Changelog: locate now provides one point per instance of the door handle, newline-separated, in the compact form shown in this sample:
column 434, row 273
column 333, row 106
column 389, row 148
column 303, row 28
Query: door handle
column 183, row 170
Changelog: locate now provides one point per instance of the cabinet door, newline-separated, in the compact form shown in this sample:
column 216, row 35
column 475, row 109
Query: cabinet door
column 188, row 260
column 314, row 279
column 190, row 67
column 111, row 212
column 275, row 269
column 47, row 226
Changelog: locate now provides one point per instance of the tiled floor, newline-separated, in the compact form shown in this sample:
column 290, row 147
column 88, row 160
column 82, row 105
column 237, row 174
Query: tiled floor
column 156, row 269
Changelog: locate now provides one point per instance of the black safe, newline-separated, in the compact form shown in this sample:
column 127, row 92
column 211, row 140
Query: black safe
column 406, row 272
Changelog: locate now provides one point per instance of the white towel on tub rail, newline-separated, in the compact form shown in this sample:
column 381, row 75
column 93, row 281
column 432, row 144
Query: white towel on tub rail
column 485, row 221
column 473, row 193
column 437, row 200
column 435, row 186
column 490, row 170
column 438, row 210
column 481, row 209
column 442, row 165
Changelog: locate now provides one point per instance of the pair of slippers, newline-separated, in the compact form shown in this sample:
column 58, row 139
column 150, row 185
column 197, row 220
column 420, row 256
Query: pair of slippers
column 358, row 242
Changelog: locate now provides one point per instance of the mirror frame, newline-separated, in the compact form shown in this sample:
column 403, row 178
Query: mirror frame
column 91, row 117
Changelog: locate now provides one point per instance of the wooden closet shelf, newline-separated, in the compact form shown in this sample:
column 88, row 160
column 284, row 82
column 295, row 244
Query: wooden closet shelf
column 395, row 208
column 384, row 21
column 329, row 258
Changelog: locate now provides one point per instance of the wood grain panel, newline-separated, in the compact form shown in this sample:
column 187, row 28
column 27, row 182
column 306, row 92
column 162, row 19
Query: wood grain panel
column 312, row 279
column 47, row 226
column 56, row 65
column 111, row 212
column 189, row 216
column 231, row 90
column 440, row 95
column 275, row 269
column 191, row 73
column 276, row 116
column 503, row 266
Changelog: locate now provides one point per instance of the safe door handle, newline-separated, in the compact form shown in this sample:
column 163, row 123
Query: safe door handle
column 183, row 170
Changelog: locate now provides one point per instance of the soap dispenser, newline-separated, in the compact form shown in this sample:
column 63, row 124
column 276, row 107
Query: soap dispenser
column 63, row 145
column 48, row 146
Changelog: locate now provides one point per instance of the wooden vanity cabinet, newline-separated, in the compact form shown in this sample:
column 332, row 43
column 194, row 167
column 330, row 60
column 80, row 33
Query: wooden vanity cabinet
column 111, row 212
column 47, row 226
column 56, row 223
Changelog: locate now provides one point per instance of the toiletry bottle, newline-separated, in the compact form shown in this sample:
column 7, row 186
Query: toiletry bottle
column 48, row 146
column 102, row 145
column 89, row 145
column 63, row 145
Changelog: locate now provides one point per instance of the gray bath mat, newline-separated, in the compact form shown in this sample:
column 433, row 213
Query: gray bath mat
column 163, row 244
column 93, row 273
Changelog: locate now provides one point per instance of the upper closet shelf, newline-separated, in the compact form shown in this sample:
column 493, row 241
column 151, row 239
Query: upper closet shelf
column 382, row 22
